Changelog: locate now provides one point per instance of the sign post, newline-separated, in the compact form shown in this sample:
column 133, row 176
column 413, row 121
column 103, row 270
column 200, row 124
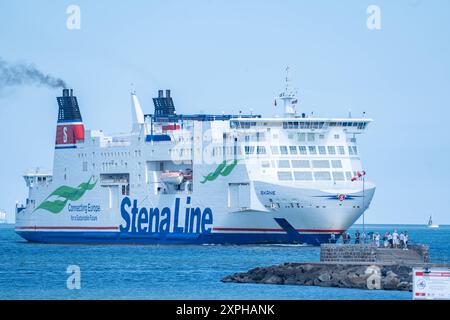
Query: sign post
column 431, row 283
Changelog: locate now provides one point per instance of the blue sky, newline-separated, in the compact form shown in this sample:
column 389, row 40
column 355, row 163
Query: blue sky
column 231, row 55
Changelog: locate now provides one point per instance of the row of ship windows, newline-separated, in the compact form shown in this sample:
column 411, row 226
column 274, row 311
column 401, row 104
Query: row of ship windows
column 137, row 153
column 302, row 124
column 315, row 176
column 296, row 204
column 301, row 136
column 302, row 150
column 305, row 164
column 320, row 125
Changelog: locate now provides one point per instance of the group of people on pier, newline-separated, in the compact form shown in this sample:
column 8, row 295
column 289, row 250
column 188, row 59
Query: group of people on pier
column 389, row 240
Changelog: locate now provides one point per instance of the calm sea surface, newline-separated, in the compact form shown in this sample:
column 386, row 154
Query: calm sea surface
column 38, row 271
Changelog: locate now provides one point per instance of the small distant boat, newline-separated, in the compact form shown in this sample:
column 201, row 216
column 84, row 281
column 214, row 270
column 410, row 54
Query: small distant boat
column 431, row 224
column 3, row 217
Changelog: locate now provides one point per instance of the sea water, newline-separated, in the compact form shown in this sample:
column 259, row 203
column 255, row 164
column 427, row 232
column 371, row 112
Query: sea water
column 39, row 271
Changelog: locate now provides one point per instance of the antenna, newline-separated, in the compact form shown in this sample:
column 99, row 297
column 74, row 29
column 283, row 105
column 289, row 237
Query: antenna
column 287, row 79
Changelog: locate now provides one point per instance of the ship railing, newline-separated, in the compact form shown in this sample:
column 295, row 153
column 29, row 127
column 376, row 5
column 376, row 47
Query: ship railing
column 114, row 181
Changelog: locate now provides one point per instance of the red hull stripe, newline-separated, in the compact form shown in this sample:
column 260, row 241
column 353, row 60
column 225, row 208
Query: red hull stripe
column 215, row 229
column 67, row 228
column 275, row 230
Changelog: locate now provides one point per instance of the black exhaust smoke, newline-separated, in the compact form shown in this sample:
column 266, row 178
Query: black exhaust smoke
column 19, row 74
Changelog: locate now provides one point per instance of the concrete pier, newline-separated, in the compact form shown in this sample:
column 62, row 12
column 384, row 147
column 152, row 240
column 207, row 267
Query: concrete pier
column 346, row 266
column 371, row 253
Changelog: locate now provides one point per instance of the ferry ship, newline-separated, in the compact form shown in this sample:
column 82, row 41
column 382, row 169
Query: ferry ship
column 198, row 178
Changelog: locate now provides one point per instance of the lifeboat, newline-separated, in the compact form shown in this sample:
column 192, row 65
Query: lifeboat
column 172, row 177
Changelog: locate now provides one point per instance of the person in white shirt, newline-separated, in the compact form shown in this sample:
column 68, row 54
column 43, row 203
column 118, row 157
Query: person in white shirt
column 377, row 240
column 405, row 240
column 390, row 240
column 395, row 238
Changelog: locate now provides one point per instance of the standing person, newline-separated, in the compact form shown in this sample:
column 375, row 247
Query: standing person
column 405, row 240
column 363, row 237
column 402, row 240
column 333, row 238
column 357, row 237
column 349, row 237
column 377, row 239
column 389, row 237
column 385, row 239
column 395, row 238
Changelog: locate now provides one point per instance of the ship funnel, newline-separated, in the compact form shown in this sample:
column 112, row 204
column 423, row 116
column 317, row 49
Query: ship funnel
column 164, row 105
column 70, row 128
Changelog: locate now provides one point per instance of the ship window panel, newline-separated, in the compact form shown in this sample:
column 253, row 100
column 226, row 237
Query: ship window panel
column 274, row 150
column 322, row 176
column 293, row 149
column 283, row 164
column 260, row 150
column 312, row 150
column 355, row 150
column 350, row 150
column 321, row 164
column 322, row 150
column 301, row 137
column 260, row 136
column 303, row 176
column 348, row 175
column 331, row 150
column 283, row 150
column 338, row 176
column 301, row 164
column 341, row 150
column 249, row 150
column 311, row 137
column 302, row 149
column 284, row 176
column 336, row 164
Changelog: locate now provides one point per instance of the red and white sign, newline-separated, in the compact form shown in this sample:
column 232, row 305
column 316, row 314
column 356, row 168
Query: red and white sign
column 171, row 127
column 431, row 283
column 69, row 133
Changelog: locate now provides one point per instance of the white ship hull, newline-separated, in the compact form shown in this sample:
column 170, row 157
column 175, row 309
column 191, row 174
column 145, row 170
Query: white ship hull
column 311, row 219
column 109, row 189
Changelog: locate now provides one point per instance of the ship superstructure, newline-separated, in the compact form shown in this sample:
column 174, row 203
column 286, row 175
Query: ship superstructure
column 201, row 179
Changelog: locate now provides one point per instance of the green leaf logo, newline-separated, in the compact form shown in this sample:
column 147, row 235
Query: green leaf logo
column 222, row 169
column 63, row 194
